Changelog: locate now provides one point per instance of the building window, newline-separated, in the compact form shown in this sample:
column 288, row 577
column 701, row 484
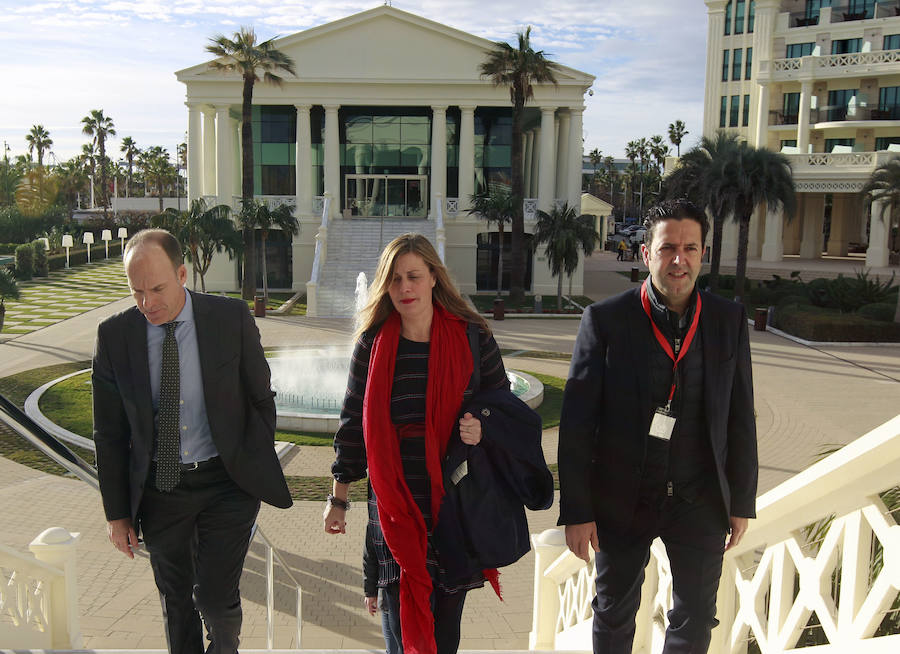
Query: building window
column 888, row 103
column 788, row 143
column 795, row 50
column 739, row 17
column 751, row 17
column 487, row 255
column 811, row 14
column 830, row 143
column 749, row 63
column 274, row 152
column 892, row 42
column 790, row 108
column 493, row 148
column 882, row 142
column 838, row 102
column 733, row 117
column 746, row 117
column 723, row 111
column 727, row 20
column 725, row 65
column 860, row 9
column 736, row 64
column 846, row 46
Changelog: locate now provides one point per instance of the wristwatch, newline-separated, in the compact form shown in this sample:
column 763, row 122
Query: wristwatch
column 338, row 502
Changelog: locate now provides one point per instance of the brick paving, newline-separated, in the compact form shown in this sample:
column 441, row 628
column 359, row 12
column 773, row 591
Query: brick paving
column 807, row 399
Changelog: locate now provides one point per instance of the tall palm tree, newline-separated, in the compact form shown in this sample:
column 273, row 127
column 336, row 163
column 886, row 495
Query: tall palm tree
column 243, row 55
column 596, row 158
column 519, row 69
column 659, row 151
column 702, row 176
column 565, row 235
column 72, row 181
column 884, row 185
column 677, row 132
column 609, row 165
column 99, row 127
column 88, row 161
column 38, row 139
column 494, row 205
column 264, row 219
column 130, row 149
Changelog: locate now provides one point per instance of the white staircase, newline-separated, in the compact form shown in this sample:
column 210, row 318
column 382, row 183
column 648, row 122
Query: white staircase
column 354, row 245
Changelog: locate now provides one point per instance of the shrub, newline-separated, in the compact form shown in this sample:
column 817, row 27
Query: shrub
column 788, row 300
column 726, row 282
column 882, row 311
column 817, row 324
column 24, row 261
column 41, row 268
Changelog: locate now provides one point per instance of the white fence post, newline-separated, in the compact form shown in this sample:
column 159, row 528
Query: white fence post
column 548, row 546
column 56, row 546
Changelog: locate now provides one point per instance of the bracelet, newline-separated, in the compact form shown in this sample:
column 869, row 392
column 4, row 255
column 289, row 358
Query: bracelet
column 338, row 502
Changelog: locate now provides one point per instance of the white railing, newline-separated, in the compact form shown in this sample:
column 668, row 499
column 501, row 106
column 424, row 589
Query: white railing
column 778, row 576
column 39, row 594
column 271, row 556
column 274, row 201
column 829, row 65
column 440, row 235
column 319, row 257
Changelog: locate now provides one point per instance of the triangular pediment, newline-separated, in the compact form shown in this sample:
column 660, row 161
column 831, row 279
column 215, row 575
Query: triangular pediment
column 383, row 44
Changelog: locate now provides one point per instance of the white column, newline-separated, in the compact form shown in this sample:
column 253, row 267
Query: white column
column 224, row 154
column 438, row 156
column 562, row 157
column 466, row 156
column 209, row 151
column 753, row 240
column 535, row 161
column 529, row 164
column 773, row 246
column 803, row 118
column 303, row 161
column 332, row 158
column 729, row 240
column 576, row 148
column 713, row 88
column 877, row 252
column 762, row 117
column 194, row 154
column 813, row 217
column 841, row 206
column 547, row 174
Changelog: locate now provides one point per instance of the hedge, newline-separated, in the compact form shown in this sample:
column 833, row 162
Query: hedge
column 817, row 324
column 881, row 311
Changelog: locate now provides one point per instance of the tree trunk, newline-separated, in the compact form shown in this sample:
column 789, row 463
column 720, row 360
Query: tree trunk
column 500, row 259
column 559, row 277
column 715, row 258
column 517, row 258
column 159, row 192
column 2, row 316
column 265, row 272
column 248, row 286
column 741, row 269
column 104, row 194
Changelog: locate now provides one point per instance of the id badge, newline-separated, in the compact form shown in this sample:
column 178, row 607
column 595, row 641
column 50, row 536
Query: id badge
column 663, row 424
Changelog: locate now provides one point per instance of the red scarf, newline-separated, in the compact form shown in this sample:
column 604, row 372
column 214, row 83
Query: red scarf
column 449, row 370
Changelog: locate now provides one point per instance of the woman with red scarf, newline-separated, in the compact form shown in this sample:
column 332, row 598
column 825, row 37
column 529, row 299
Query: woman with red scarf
column 409, row 378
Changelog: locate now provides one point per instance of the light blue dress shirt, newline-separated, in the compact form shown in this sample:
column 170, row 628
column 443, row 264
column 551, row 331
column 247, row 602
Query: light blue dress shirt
column 196, row 437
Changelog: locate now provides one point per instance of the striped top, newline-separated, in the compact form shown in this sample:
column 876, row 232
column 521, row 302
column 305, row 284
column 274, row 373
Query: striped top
column 407, row 408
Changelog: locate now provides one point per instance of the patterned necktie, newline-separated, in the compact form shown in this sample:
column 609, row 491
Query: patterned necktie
column 168, row 446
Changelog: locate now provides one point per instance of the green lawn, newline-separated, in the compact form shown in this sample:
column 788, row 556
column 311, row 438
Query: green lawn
column 485, row 303
column 276, row 300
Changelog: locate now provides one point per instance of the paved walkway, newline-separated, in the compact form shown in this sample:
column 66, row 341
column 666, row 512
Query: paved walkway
column 807, row 399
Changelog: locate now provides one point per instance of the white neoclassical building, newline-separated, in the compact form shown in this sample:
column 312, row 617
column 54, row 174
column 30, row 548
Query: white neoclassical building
column 389, row 124
column 818, row 80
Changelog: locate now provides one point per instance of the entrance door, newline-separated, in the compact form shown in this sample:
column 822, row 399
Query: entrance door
column 378, row 196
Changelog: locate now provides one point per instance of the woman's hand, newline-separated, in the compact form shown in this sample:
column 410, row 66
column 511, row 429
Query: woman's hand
column 470, row 429
column 371, row 605
column 335, row 519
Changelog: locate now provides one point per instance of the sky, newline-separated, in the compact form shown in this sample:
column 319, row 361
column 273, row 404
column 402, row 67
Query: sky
column 61, row 59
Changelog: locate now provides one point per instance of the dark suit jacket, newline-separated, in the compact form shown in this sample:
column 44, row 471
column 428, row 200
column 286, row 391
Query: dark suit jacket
column 607, row 410
column 240, row 404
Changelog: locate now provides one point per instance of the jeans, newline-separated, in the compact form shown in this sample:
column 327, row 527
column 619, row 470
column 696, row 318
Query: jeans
column 446, row 607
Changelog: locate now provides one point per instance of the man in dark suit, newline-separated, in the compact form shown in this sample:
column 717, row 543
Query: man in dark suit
column 658, row 438
column 184, row 422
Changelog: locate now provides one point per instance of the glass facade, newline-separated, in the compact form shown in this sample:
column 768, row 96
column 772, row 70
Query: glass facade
column 746, row 117
column 728, row 19
column 749, row 63
column 889, row 103
column 892, row 42
column 830, row 143
column 493, row 148
column 882, row 142
column 274, row 151
column 488, row 255
column 733, row 117
column 846, row 46
column 790, row 108
column 739, row 16
column 838, row 102
column 751, row 17
column 736, row 64
column 723, row 111
column 795, row 50
column 725, row 55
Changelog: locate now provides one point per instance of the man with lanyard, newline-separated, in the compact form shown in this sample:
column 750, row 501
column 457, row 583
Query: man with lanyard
column 657, row 437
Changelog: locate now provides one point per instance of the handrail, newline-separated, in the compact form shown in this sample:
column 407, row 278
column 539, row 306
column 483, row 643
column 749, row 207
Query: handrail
column 439, row 225
column 271, row 555
column 321, row 241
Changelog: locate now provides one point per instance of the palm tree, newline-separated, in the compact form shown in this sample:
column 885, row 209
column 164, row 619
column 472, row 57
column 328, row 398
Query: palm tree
column 88, row 161
column 8, row 289
column 677, row 132
column 264, row 219
column 659, row 151
column 99, row 127
column 596, row 158
column 155, row 165
column 518, row 68
column 611, row 175
column 245, row 56
column 203, row 232
column 565, row 235
column 884, row 185
column 495, row 205
column 702, row 177
column 38, row 139
column 130, row 150
column 72, row 181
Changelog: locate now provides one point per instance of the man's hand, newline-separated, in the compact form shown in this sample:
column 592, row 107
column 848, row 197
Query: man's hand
column 738, row 528
column 579, row 536
column 123, row 536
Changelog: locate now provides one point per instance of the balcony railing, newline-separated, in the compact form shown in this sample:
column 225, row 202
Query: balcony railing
column 837, row 114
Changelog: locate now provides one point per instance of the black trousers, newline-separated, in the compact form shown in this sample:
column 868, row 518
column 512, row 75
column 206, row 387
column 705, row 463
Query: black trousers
column 694, row 537
column 446, row 607
column 197, row 536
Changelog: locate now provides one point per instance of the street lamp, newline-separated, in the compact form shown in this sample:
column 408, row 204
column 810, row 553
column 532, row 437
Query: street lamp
column 67, row 243
column 87, row 239
column 106, row 236
column 122, row 235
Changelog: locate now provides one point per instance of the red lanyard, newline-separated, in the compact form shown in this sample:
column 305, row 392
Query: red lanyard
column 667, row 348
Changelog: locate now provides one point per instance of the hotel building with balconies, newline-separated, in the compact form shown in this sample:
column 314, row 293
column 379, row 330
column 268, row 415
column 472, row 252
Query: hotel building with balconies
column 818, row 80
